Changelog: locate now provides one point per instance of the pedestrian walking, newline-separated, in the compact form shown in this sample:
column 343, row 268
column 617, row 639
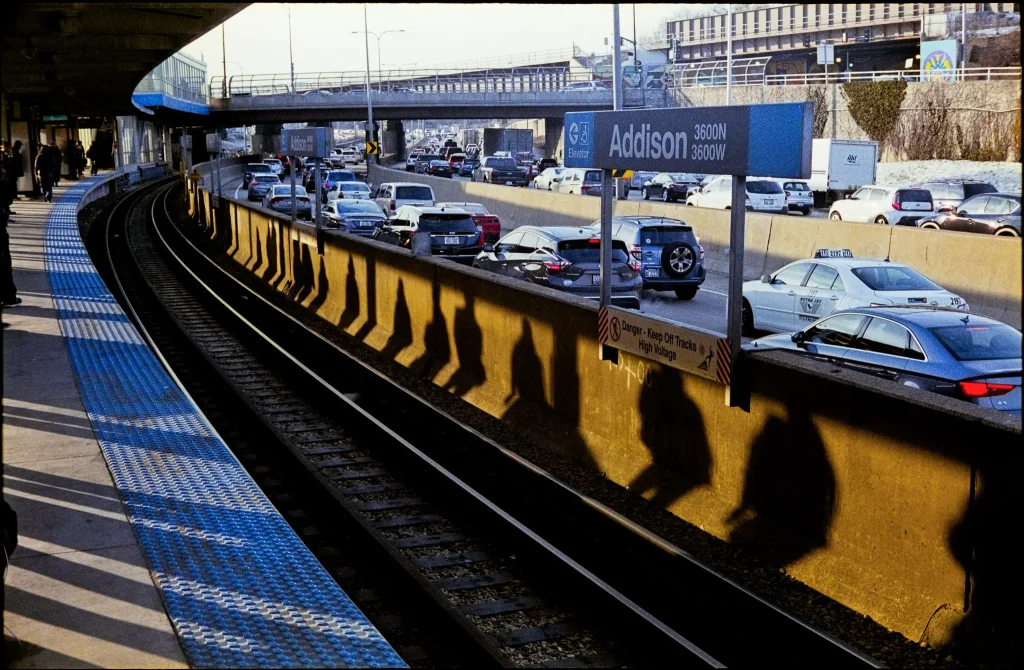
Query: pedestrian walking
column 80, row 156
column 45, row 170
column 8, row 291
column 58, row 158
column 16, row 170
column 93, row 155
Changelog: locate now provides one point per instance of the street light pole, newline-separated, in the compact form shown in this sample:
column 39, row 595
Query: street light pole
column 224, row 64
column 369, row 102
column 291, row 57
column 728, row 57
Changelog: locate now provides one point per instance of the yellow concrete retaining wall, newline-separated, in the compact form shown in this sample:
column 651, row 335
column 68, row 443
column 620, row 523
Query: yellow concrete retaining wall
column 857, row 486
column 985, row 270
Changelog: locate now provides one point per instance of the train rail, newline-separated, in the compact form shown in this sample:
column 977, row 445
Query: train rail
column 488, row 557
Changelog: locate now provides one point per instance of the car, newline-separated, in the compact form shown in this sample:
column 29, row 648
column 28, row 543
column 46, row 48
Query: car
column 471, row 163
column 566, row 259
column 832, row 280
column 638, row 179
column 351, row 155
column 799, row 196
column 963, row 356
column 548, row 179
column 886, row 205
column 336, row 159
column 333, row 177
column 669, row 186
column 348, row 190
column 453, row 234
column 279, row 199
column 359, row 217
column 500, row 170
column 990, row 214
column 947, row 194
column 390, row 196
column 580, row 181
column 423, row 162
column 439, row 168
column 472, row 149
column 455, row 161
column 252, row 169
column 276, row 166
column 669, row 253
column 763, row 195
column 578, row 86
column 448, row 151
column 545, row 163
column 488, row 223
column 260, row 184
column 410, row 162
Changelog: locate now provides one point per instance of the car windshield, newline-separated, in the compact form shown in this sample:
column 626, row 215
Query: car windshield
column 797, row 186
column 763, row 187
column 914, row 195
column 587, row 251
column 502, row 163
column 258, row 167
column 971, row 190
column 265, row 179
column 438, row 164
column 678, row 177
column 358, row 207
column 979, row 342
column 429, row 157
column 894, row 278
column 665, row 234
column 414, row 193
column 286, row 189
column 353, row 186
column 592, row 177
column 447, row 223
column 341, row 175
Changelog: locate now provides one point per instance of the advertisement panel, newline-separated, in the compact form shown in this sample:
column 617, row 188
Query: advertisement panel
column 938, row 60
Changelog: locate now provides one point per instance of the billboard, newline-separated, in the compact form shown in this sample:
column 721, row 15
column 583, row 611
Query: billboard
column 938, row 60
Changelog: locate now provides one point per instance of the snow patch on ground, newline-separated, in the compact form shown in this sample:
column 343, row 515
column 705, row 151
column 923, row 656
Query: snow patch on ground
column 1003, row 175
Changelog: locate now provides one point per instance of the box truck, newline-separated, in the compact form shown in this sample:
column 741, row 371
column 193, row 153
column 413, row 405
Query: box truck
column 841, row 166
column 511, row 140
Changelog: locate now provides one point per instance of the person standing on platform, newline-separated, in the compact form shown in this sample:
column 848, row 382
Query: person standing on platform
column 80, row 149
column 45, row 170
column 58, row 158
column 16, row 169
column 8, row 291
column 92, row 155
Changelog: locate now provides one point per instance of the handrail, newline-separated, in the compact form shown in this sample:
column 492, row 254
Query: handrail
column 840, row 77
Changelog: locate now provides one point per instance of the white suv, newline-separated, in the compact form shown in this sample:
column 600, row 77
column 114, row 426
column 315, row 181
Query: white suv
column 585, row 86
column 886, row 205
column 392, row 195
column 763, row 195
column 799, row 196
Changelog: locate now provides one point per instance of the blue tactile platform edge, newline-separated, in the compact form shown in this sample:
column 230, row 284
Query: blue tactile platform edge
column 241, row 589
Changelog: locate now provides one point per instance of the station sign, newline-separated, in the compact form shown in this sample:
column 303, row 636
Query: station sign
column 695, row 351
column 771, row 140
column 212, row 142
column 307, row 142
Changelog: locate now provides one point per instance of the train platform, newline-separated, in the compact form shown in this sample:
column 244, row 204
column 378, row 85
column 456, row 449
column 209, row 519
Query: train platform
column 142, row 541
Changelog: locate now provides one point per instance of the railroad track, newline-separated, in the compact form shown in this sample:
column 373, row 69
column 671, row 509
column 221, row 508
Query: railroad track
column 550, row 578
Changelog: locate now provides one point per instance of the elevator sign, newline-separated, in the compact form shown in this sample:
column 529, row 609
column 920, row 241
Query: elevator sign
column 750, row 140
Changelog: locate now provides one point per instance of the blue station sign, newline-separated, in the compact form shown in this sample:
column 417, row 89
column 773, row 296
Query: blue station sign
column 750, row 140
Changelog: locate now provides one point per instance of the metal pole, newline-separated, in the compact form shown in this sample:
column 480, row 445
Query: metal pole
column 291, row 173
column 379, row 73
column 319, row 231
column 963, row 40
column 369, row 103
column 224, row 63
column 607, row 206
column 728, row 57
column 291, row 59
column 833, row 102
column 617, row 102
column 317, row 186
column 737, row 224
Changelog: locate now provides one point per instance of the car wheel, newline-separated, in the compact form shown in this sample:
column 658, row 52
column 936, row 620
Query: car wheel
column 835, row 216
column 664, row 195
column 678, row 259
column 1007, row 232
column 644, row 194
column 881, row 221
column 806, row 211
column 746, row 319
column 687, row 293
column 931, row 225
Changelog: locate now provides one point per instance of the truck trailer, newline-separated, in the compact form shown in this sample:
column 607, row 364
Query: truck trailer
column 507, row 139
column 841, row 166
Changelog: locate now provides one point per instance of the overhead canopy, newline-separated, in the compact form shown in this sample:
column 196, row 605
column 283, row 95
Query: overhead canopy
column 86, row 58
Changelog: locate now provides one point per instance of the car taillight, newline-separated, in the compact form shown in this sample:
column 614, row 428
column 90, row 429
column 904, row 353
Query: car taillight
column 700, row 251
column 303, row 199
column 788, row 194
column 480, row 239
column 557, row 265
column 392, row 205
column 785, row 198
column 585, row 188
column 896, row 203
column 748, row 198
column 637, row 251
column 274, row 201
column 984, row 389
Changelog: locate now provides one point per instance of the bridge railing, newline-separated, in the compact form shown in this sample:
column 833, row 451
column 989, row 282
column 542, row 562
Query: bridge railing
column 841, row 77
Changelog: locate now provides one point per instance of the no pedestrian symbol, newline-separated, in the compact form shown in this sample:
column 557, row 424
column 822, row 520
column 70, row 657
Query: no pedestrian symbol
column 616, row 329
column 372, row 148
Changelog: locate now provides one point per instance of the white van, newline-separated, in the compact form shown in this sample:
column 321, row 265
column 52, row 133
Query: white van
column 763, row 195
column 392, row 195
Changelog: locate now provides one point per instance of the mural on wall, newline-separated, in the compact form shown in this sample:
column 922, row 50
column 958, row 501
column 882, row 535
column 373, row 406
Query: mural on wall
column 938, row 60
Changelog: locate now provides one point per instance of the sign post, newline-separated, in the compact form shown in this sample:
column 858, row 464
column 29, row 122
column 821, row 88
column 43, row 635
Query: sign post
column 291, row 177
column 213, row 146
column 739, row 140
column 315, row 143
column 827, row 56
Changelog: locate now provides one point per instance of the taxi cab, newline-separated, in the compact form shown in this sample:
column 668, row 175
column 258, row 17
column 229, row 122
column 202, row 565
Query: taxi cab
column 807, row 290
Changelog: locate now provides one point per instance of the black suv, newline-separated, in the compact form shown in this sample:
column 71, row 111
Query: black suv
column 947, row 194
column 670, row 255
column 567, row 259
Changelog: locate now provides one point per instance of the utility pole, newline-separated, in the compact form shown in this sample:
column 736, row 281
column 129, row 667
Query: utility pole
column 728, row 56
column 224, row 63
column 608, row 184
column 291, row 57
column 834, row 86
column 963, row 39
column 369, row 103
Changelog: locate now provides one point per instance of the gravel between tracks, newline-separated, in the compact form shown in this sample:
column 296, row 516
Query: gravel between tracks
column 770, row 582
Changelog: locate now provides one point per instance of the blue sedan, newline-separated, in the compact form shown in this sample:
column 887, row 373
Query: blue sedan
column 261, row 183
column 963, row 356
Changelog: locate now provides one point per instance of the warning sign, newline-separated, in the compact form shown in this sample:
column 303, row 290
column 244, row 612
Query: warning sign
column 694, row 351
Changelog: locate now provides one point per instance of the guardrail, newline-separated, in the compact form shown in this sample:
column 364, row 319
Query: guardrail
column 960, row 74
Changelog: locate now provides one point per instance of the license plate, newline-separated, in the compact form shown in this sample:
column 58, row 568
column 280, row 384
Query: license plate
column 508, row 183
column 451, row 240
column 596, row 279
column 366, row 224
column 769, row 202
column 652, row 272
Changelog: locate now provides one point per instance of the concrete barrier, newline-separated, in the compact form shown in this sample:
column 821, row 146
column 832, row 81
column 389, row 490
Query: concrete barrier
column 985, row 270
column 865, row 490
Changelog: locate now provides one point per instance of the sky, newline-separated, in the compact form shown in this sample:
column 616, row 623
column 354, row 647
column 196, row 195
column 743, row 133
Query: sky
column 256, row 39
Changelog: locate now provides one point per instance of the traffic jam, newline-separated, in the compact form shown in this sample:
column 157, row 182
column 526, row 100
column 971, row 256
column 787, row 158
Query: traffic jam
column 872, row 315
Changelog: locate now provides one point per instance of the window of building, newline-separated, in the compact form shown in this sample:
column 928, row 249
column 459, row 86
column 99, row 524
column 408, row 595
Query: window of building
column 899, row 10
column 885, row 10
column 831, row 14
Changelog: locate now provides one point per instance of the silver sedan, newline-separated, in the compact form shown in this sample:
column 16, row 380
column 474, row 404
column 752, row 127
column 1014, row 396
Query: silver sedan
column 279, row 199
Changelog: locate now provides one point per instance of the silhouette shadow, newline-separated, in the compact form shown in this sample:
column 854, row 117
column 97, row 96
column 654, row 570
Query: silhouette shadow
column 401, row 335
column 351, row 311
column 302, row 272
column 282, row 250
column 469, row 346
column 435, row 337
column 323, row 288
column 371, row 299
column 259, row 253
column 789, row 494
column 272, row 258
column 679, row 447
